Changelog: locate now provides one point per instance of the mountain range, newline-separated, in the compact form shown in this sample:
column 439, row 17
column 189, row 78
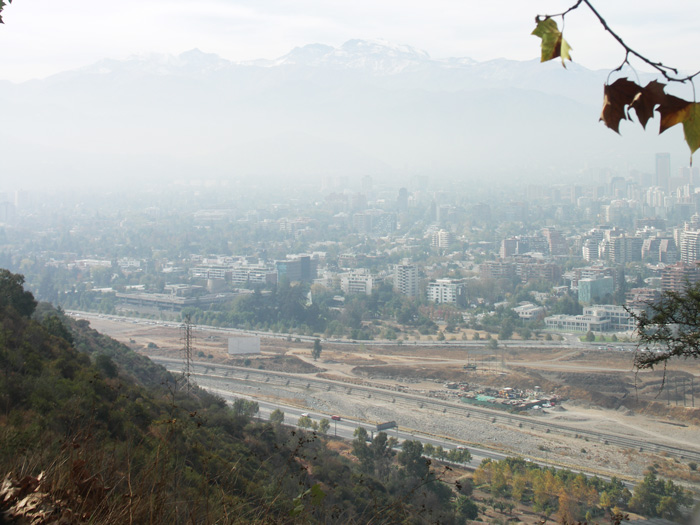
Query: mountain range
column 364, row 108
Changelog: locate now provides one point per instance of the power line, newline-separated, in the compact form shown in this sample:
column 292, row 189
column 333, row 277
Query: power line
column 188, row 340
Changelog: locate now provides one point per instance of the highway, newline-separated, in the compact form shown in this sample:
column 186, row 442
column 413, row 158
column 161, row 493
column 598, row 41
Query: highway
column 345, row 428
column 217, row 376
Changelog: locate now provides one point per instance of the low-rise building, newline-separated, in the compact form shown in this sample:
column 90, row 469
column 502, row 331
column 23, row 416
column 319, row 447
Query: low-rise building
column 597, row 318
column 529, row 311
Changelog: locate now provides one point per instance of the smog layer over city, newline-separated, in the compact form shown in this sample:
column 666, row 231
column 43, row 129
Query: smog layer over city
column 349, row 263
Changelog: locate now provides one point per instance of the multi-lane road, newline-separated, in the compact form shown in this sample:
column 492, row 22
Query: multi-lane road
column 224, row 377
column 345, row 428
column 227, row 381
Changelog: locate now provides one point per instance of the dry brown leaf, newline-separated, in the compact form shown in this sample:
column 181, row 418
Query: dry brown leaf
column 616, row 97
column 646, row 101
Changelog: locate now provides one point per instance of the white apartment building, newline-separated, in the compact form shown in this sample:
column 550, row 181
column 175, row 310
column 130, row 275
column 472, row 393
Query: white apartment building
column 406, row 279
column 690, row 246
column 596, row 318
column 357, row 282
column 445, row 291
column 442, row 239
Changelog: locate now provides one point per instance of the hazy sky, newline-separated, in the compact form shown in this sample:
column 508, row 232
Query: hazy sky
column 42, row 37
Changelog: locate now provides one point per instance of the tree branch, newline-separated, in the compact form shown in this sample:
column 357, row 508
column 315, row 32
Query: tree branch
column 668, row 72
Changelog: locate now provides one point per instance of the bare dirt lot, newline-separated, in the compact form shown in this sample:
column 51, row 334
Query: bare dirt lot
column 600, row 388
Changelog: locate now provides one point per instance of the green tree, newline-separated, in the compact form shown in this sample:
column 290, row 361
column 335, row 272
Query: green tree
column 382, row 449
column 465, row 486
column 412, row 460
column 361, row 450
column 245, row 407
column 459, row 455
column 506, row 331
column 525, row 333
column 590, row 336
column 305, row 422
column 655, row 498
column 324, row 425
column 106, row 365
column 55, row 326
column 466, row 508
column 13, row 295
column 566, row 305
column 316, row 350
column 669, row 328
column 277, row 416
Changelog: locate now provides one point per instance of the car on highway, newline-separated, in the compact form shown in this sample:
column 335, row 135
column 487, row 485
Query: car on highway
column 304, row 414
column 335, row 418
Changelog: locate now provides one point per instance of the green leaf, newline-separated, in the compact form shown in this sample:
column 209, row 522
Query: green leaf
column 691, row 127
column 564, row 51
column 553, row 43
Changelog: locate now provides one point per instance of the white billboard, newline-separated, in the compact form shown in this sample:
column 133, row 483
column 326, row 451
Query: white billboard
column 243, row 345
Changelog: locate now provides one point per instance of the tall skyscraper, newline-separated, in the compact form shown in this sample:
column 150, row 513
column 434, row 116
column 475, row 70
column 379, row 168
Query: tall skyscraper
column 663, row 170
column 402, row 200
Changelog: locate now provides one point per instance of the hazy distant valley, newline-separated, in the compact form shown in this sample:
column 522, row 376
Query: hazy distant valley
column 367, row 108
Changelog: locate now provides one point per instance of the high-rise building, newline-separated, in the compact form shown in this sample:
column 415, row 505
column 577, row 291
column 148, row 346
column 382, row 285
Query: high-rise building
column 668, row 253
column 678, row 277
column 589, row 251
column 663, row 170
column 509, row 247
column 402, row 200
column 690, row 246
column 556, row 241
column 640, row 298
column 406, row 279
column 623, row 249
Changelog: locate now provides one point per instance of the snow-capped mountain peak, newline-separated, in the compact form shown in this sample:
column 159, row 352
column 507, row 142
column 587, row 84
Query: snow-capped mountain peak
column 378, row 56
